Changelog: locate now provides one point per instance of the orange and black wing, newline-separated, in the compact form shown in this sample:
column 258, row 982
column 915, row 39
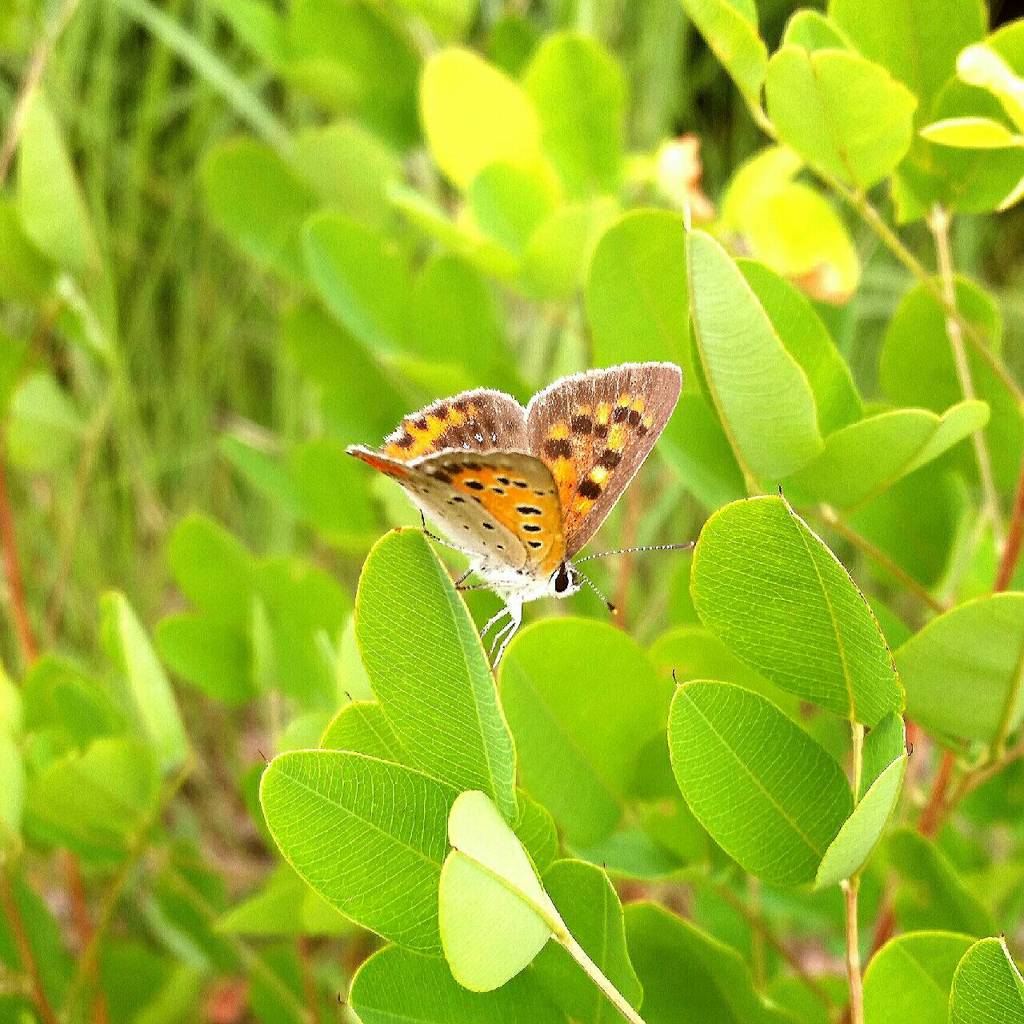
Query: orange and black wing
column 594, row 430
column 479, row 421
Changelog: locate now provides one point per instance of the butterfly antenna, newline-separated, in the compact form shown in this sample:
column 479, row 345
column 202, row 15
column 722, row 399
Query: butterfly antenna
column 594, row 587
column 688, row 546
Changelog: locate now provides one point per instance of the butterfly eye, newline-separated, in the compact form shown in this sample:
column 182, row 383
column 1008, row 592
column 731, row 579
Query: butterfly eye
column 561, row 580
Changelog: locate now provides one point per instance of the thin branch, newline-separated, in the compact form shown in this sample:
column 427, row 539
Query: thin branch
column 611, row 993
column 83, row 926
column 832, row 518
column 25, row 954
column 851, row 888
column 939, row 224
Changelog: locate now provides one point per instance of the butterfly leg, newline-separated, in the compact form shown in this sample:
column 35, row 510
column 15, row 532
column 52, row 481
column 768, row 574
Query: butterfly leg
column 515, row 613
column 493, row 621
column 430, row 535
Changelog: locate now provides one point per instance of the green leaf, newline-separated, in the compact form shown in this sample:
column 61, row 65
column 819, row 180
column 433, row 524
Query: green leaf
column 696, row 447
column 284, row 905
column 909, row 978
column 363, row 728
column 916, row 368
column 12, row 792
column 363, row 283
column 26, row 275
column 916, row 40
column 971, row 133
column 44, row 428
column 931, row 893
column 211, row 655
column 865, row 458
column 262, row 470
column 813, row 31
column 494, row 914
column 349, row 168
column 53, row 211
column 255, row 198
column 213, row 569
column 397, row 987
column 367, row 835
column 337, row 50
column 762, row 395
column 582, row 700
column 259, row 26
column 958, row 670
column 429, row 672
column 579, row 93
column 730, row 29
column 140, row 682
column 849, row 851
column 987, row 987
column 474, row 115
column 688, row 976
column 95, row 801
column 591, row 910
column 780, row 600
column 885, row 743
column 508, row 203
column 777, row 798
column 807, row 340
column 843, row 114
column 636, row 292
column 536, row 830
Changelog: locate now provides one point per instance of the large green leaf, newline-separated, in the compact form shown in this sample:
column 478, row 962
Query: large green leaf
column 780, row 600
column 363, row 728
column 909, row 978
column 579, row 92
column 428, row 670
column 495, row 916
column 916, row 40
column 395, row 986
column 688, row 976
column 762, row 395
column 590, row 908
column 582, row 700
column 474, row 115
column 636, row 292
column 867, row 457
column 369, row 836
column 211, row 655
column 255, row 198
column 53, row 211
column 364, row 284
column 843, row 114
column 770, row 796
column 730, row 29
column 140, row 682
column 987, row 987
column 959, row 669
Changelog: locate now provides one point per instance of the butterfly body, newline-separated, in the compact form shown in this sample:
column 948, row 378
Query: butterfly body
column 520, row 491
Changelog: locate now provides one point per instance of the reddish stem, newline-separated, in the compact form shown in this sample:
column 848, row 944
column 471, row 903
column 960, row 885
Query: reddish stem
column 1011, row 553
column 83, row 926
column 25, row 954
column 12, row 569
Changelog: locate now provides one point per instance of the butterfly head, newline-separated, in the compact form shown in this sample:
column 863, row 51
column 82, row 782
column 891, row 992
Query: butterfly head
column 564, row 581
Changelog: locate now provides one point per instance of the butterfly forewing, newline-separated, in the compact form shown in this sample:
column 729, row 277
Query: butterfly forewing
column 594, row 430
column 480, row 420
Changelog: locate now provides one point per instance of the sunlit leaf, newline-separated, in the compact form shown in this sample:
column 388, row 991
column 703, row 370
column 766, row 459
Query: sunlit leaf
column 987, row 986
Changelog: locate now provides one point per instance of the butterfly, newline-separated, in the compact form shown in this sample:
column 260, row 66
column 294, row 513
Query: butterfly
column 521, row 491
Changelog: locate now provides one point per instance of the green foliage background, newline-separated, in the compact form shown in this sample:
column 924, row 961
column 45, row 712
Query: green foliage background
column 238, row 235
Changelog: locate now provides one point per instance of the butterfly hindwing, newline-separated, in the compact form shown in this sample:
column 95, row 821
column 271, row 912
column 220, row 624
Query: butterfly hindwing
column 480, row 420
column 509, row 491
column 594, row 430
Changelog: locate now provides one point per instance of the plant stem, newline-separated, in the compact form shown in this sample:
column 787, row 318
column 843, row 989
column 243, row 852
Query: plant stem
column 1005, row 726
column 25, row 954
column 857, row 734
column 83, row 926
column 12, row 570
column 613, row 995
column 939, row 224
column 832, row 518
column 851, row 887
column 1011, row 551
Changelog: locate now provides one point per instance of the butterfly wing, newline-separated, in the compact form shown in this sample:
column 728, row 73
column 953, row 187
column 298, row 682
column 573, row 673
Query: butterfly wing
column 501, row 506
column 594, row 430
column 480, row 420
